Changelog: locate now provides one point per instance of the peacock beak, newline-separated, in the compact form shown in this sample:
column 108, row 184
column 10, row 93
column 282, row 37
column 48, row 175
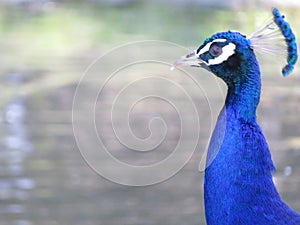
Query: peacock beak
column 190, row 59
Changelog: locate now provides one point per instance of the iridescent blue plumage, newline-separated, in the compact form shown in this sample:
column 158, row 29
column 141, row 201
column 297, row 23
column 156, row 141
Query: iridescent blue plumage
column 290, row 41
column 238, row 179
column 238, row 184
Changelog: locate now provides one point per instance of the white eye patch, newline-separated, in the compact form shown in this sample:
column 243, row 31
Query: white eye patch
column 227, row 51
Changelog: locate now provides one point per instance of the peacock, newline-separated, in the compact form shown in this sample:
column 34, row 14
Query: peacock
column 238, row 184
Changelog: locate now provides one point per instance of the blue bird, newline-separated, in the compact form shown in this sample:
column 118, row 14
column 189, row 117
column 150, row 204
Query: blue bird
column 238, row 185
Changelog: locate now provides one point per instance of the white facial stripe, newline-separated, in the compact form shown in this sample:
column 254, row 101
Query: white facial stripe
column 207, row 46
column 228, row 50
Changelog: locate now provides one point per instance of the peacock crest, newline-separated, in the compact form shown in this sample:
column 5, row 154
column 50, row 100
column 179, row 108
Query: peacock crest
column 277, row 30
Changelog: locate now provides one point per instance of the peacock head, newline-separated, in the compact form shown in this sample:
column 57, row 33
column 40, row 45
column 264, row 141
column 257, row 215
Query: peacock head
column 226, row 54
column 230, row 54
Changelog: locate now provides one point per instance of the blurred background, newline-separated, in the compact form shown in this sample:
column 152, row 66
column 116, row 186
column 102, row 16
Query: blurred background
column 45, row 47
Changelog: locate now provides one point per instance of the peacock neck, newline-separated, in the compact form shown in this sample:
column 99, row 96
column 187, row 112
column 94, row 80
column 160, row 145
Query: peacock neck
column 244, row 93
column 241, row 102
column 238, row 163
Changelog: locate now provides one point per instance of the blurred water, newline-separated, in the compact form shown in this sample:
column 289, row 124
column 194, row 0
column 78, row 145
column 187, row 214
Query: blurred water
column 15, row 183
column 50, row 183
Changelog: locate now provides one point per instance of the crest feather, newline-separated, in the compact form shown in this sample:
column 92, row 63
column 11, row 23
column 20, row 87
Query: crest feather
column 276, row 38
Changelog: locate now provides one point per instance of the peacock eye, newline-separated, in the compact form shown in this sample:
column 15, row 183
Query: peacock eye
column 215, row 50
